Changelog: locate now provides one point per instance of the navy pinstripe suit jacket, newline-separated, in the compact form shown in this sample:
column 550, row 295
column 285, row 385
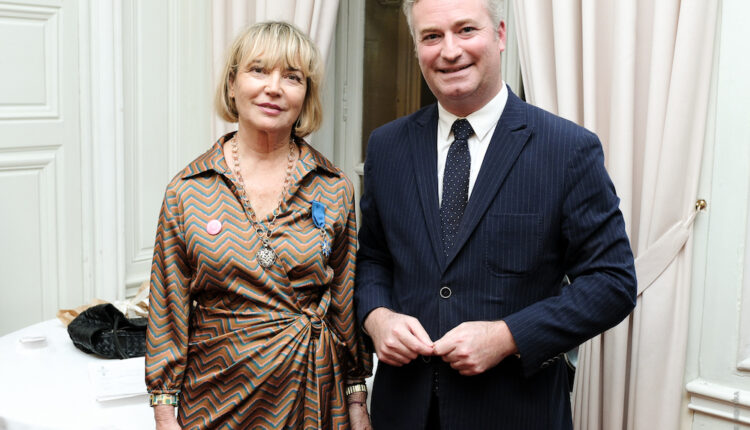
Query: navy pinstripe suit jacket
column 542, row 207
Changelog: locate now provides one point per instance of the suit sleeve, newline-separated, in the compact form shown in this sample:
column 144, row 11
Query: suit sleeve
column 343, row 317
column 374, row 263
column 169, row 302
column 598, row 260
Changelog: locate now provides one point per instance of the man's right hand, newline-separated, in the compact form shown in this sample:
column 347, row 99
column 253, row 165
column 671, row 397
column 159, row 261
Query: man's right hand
column 398, row 338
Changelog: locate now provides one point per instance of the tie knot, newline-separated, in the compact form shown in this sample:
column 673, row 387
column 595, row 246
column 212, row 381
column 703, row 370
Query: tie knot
column 462, row 129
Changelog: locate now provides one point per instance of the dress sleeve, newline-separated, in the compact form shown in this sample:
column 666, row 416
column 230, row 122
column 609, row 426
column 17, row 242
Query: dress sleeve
column 169, row 307
column 342, row 311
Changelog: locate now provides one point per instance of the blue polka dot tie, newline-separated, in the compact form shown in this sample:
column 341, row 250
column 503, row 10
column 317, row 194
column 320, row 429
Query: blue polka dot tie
column 455, row 183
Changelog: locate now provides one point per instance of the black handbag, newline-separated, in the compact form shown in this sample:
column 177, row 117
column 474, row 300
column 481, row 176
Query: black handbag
column 103, row 330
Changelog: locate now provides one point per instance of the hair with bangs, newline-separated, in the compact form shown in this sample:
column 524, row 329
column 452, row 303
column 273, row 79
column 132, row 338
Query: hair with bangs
column 274, row 44
column 494, row 8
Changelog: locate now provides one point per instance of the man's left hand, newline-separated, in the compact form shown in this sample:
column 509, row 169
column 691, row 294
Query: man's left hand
column 474, row 347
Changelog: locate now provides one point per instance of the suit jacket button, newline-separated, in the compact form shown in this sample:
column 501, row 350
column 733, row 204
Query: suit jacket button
column 445, row 292
column 544, row 365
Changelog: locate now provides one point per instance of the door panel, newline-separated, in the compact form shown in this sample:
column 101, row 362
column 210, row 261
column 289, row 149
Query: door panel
column 40, row 165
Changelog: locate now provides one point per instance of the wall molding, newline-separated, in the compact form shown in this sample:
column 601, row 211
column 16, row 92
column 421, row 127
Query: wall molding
column 511, row 61
column 719, row 401
column 48, row 17
column 102, row 147
column 135, row 86
column 44, row 163
column 349, row 53
column 743, row 349
column 147, row 129
column 166, row 59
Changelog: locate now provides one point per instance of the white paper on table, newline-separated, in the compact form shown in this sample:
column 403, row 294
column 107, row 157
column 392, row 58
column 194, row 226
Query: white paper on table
column 117, row 379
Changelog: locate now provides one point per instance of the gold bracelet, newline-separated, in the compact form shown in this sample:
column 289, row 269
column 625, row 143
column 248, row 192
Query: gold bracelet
column 163, row 399
column 355, row 388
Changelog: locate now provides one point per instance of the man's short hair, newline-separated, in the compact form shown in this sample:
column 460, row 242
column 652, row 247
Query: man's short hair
column 494, row 7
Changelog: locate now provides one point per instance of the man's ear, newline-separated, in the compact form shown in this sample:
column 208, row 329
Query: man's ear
column 501, row 35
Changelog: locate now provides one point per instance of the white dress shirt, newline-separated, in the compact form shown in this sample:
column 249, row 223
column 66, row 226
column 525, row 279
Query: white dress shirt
column 483, row 122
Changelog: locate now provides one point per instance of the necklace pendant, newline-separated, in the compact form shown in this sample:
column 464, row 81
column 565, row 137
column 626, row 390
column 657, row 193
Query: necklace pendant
column 265, row 256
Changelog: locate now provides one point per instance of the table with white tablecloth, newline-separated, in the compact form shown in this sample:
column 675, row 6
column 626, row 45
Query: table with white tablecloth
column 45, row 384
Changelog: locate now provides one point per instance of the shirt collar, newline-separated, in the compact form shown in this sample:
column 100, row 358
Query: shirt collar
column 314, row 160
column 213, row 159
column 482, row 120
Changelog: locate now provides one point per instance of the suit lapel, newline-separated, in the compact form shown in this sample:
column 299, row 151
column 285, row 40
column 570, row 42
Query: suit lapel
column 423, row 144
column 506, row 144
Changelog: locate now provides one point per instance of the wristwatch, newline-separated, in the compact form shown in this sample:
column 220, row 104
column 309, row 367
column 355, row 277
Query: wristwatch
column 355, row 388
column 163, row 399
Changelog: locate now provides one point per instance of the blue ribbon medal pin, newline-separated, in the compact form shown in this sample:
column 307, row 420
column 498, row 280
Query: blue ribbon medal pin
column 319, row 219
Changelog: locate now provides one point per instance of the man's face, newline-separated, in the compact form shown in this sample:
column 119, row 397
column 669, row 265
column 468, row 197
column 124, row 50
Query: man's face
column 459, row 52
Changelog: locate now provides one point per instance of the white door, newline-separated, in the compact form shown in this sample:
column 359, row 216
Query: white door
column 41, row 233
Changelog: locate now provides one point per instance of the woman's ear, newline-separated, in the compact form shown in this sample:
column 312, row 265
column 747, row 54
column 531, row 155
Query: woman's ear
column 230, row 85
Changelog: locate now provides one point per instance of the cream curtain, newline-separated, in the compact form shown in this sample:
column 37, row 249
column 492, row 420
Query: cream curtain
column 316, row 17
column 637, row 73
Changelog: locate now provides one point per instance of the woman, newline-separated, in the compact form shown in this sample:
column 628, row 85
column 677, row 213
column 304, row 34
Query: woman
column 251, row 322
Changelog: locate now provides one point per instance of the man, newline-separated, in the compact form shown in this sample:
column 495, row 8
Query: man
column 474, row 210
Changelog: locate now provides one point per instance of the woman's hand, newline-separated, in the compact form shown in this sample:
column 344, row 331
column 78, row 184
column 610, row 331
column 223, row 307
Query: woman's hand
column 359, row 419
column 165, row 419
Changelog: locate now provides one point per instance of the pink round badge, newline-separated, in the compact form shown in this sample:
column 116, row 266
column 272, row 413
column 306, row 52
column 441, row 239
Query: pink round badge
column 213, row 227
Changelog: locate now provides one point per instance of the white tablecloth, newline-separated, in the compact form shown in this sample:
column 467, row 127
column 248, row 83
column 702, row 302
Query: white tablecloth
column 46, row 385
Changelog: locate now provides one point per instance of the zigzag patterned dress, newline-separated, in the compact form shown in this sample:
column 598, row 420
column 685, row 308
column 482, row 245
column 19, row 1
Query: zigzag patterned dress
column 245, row 347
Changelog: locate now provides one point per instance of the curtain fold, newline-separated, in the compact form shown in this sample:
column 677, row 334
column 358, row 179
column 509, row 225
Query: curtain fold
column 315, row 17
column 638, row 74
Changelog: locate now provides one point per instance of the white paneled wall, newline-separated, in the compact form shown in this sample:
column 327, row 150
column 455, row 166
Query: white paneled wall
column 166, row 121
column 40, row 172
column 31, row 72
column 718, row 372
column 149, row 88
column 101, row 103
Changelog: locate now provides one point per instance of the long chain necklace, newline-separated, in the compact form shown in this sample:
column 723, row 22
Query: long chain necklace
column 266, row 256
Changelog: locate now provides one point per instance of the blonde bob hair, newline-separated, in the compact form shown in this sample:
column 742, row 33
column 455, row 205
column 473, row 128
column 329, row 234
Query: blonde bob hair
column 275, row 44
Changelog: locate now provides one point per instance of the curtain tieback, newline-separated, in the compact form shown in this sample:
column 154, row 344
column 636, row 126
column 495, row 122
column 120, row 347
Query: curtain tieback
column 650, row 265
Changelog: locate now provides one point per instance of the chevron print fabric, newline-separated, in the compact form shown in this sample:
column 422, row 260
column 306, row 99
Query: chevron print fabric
column 245, row 347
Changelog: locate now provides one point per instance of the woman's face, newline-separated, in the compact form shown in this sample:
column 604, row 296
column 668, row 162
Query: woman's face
column 268, row 99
